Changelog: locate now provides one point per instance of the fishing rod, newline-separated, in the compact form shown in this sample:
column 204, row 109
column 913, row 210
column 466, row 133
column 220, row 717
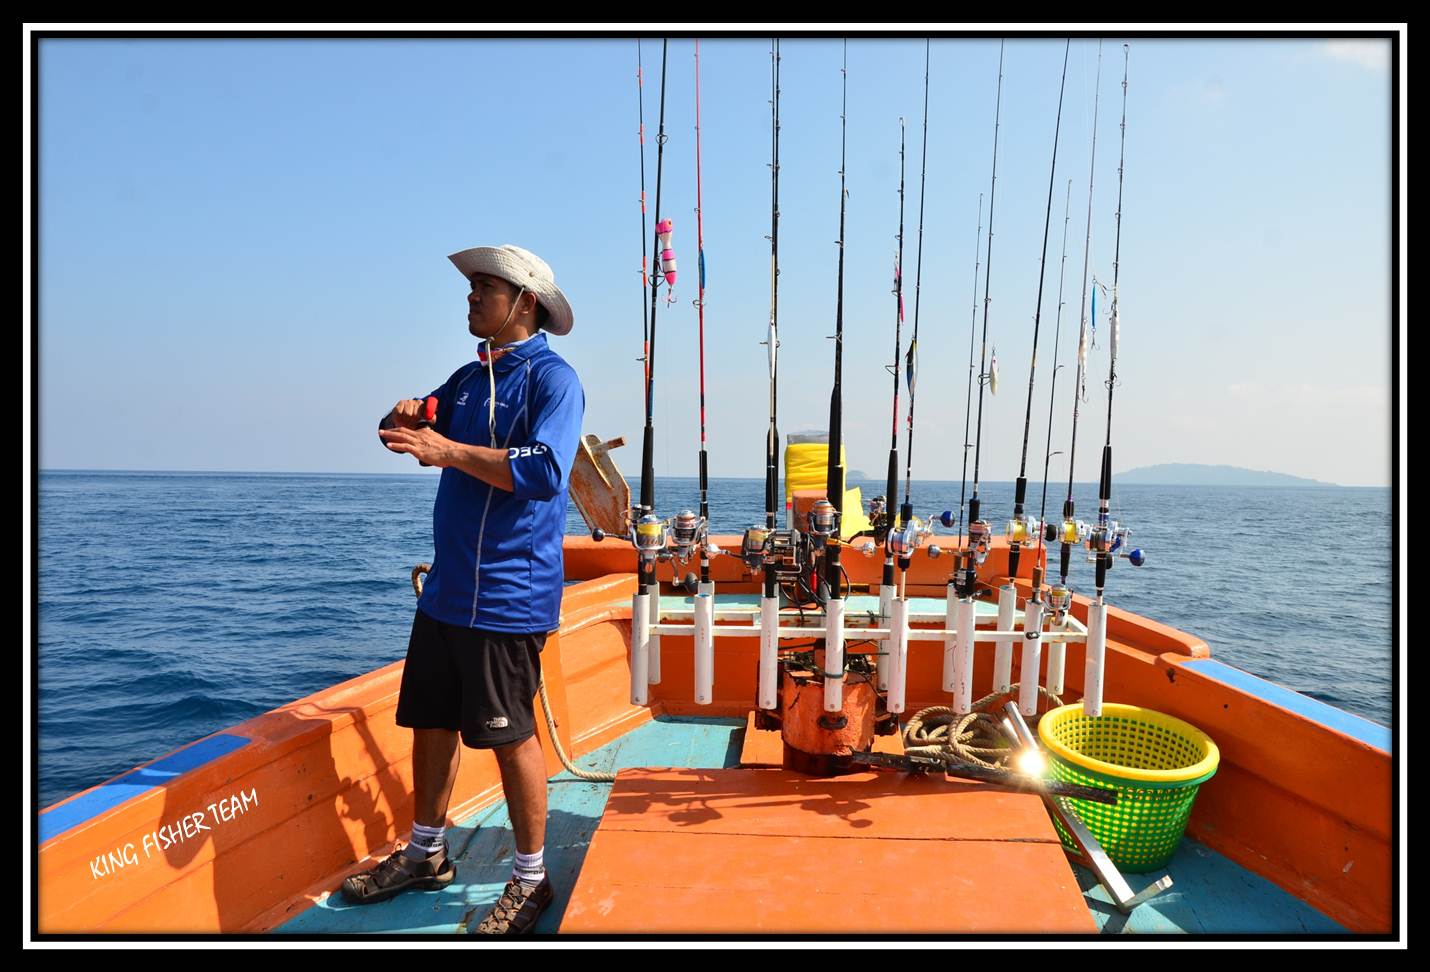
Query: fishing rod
column 700, row 308
column 892, row 489
column 954, row 602
column 1073, row 530
column 772, row 439
column 958, row 650
column 1057, row 651
column 979, row 531
column 1107, row 537
column 1105, row 487
column 825, row 520
column 911, row 531
column 968, row 396
column 775, row 550
column 1022, row 528
column 690, row 530
column 882, row 506
column 647, row 502
column 645, row 263
column 1049, row 532
column 649, row 533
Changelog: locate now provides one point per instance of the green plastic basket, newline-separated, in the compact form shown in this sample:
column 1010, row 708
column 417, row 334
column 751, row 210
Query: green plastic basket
column 1155, row 762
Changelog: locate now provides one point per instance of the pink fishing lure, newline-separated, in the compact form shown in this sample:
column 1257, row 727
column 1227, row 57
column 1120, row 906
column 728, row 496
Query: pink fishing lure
column 663, row 230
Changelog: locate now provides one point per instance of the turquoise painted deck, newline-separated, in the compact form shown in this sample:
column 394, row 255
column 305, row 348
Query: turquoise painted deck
column 1211, row 895
column 483, row 845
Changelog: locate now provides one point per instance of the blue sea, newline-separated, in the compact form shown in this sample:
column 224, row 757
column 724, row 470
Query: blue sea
column 173, row 605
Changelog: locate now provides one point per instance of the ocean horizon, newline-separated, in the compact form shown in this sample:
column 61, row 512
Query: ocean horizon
column 759, row 478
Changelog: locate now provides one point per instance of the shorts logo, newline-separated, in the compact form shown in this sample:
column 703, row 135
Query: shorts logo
column 498, row 723
column 463, row 399
column 522, row 452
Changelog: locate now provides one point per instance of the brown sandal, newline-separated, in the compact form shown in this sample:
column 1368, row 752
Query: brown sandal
column 517, row 909
column 397, row 874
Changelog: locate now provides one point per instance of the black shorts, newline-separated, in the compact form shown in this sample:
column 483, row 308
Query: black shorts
column 481, row 683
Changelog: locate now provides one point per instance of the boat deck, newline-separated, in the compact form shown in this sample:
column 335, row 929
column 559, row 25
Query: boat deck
column 1211, row 895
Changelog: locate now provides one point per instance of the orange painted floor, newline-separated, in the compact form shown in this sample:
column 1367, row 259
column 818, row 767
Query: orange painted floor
column 710, row 851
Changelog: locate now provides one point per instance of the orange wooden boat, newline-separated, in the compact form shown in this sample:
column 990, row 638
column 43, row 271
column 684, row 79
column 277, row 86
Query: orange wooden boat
column 703, row 831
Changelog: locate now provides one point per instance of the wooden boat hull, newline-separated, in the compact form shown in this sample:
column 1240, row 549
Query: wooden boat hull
column 247, row 828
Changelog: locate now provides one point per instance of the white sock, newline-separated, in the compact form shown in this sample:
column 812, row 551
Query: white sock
column 530, row 869
column 425, row 841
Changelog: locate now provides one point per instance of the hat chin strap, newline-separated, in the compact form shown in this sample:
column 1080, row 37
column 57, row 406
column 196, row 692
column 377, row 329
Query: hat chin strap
column 510, row 314
column 492, row 372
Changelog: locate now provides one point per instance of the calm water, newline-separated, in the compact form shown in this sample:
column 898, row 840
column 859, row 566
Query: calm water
column 173, row 605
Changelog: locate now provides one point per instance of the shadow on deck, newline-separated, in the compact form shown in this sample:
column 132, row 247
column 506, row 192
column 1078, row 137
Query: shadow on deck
column 1211, row 895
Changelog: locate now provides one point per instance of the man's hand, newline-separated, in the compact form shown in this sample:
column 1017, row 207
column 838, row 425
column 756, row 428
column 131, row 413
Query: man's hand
column 423, row 444
column 408, row 413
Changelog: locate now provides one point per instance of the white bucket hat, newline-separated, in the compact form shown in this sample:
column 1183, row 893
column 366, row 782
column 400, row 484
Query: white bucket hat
column 525, row 269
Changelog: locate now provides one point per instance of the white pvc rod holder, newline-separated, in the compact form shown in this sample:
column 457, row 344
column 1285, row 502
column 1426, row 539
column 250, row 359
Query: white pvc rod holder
column 1032, row 658
column 834, row 655
column 640, row 645
column 705, row 644
column 950, row 637
column 1057, row 663
column 898, row 654
column 769, row 650
column 1096, row 652
column 684, row 630
column 886, row 601
column 1003, row 658
column 962, row 687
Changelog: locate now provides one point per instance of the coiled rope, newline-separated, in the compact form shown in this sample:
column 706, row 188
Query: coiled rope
column 975, row 737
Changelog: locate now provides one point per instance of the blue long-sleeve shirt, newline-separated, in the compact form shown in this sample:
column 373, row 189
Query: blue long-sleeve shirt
column 497, row 563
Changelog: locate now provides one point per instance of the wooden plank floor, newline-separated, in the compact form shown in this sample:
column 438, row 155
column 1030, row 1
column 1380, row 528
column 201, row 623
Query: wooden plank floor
column 1212, row 895
column 765, row 851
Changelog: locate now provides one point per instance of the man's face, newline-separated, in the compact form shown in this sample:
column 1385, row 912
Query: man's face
column 489, row 304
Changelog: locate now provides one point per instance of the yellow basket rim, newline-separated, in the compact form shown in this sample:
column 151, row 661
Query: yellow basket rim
column 1205, row 766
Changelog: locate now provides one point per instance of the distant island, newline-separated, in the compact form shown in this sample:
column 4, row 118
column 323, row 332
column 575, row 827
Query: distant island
column 1192, row 474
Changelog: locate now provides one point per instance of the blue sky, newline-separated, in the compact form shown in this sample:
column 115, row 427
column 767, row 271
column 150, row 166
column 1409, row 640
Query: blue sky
column 243, row 243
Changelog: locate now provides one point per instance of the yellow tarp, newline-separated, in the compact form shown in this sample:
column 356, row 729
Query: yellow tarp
column 807, row 467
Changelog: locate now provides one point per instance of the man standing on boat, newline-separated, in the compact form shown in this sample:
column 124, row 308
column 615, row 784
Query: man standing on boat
column 505, row 434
